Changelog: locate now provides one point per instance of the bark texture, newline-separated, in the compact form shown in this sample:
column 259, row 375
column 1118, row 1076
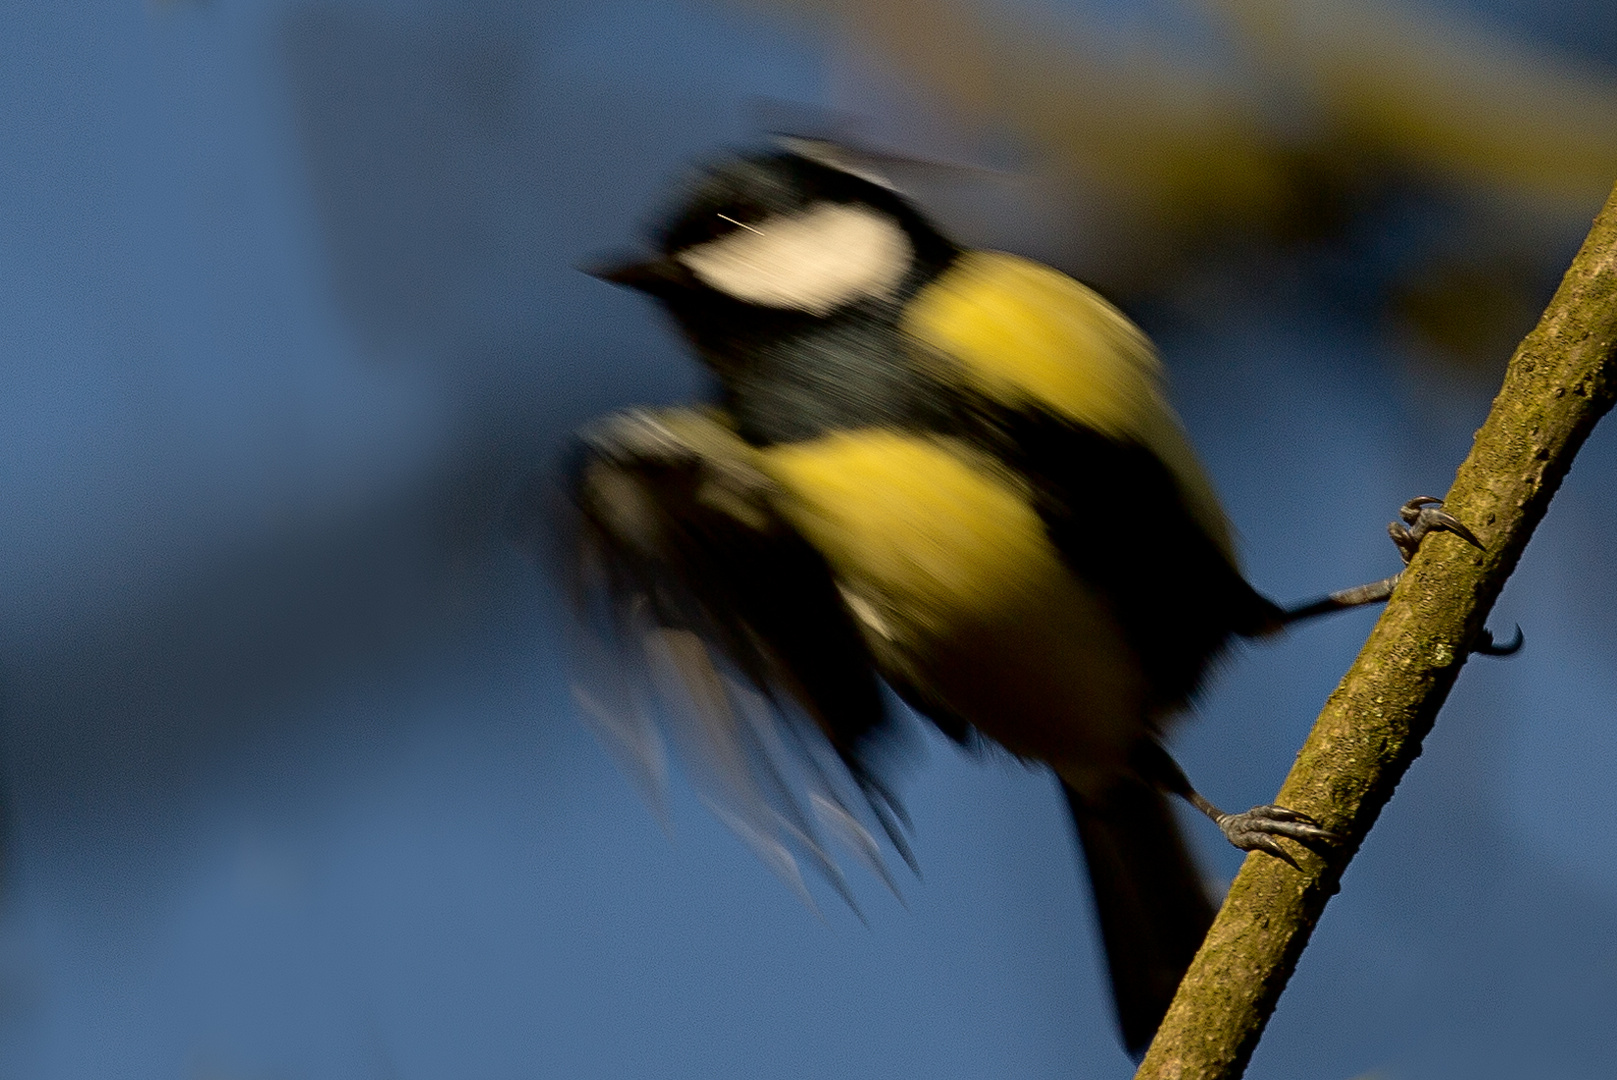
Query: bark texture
column 1561, row 380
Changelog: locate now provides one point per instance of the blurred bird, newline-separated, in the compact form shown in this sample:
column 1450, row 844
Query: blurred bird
column 952, row 470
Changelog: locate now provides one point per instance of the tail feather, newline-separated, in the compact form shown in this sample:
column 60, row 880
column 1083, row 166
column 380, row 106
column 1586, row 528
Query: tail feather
column 1150, row 903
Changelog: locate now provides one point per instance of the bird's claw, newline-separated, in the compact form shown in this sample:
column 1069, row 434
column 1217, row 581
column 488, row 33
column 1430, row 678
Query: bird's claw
column 1421, row 515
column 1424, row 514
column 1258, row 828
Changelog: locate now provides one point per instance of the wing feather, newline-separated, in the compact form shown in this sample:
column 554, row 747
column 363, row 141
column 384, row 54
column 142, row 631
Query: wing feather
column 709, row 623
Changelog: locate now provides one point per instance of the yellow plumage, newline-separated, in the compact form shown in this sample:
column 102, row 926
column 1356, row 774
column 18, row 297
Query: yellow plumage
column 935, row 527
column 1026, row 335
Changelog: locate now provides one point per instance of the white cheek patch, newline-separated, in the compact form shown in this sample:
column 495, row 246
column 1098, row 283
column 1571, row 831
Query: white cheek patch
column 816, row 262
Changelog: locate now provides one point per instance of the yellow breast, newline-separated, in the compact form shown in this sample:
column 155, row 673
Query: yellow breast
column 930, row 526
column 949, row 568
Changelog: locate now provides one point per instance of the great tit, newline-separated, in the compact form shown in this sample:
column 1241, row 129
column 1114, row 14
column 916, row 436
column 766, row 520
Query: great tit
column 953, row 471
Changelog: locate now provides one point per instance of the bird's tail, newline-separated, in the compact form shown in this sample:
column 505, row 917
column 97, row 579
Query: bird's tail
column 1150, row 903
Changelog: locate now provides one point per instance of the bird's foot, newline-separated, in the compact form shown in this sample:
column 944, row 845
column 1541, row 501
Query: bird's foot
column 1418, row 518
column 1422, row 515
column 1259, row 827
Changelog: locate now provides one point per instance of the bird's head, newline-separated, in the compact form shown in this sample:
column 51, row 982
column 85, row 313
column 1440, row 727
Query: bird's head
column 797, row 233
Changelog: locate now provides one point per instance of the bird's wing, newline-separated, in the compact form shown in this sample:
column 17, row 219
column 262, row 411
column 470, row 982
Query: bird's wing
column 1028, row 337
column 1121, row 522
column 1073, row 391
column 708, row 619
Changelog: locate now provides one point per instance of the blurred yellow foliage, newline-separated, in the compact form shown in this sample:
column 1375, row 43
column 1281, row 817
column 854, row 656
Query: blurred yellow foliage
column 1193, row 138
column 1279, row 124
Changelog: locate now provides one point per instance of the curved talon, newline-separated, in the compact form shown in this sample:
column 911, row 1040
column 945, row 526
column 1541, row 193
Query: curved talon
column 1421, row 515
column 1487, row 646
column 1257, row 829
column 1411, row 509
column 1270, row 846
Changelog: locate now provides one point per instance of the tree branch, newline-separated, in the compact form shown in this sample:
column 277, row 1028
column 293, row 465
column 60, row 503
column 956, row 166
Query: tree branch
column 1562, row 379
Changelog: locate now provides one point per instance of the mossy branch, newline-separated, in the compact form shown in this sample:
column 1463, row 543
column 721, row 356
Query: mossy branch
column 1562, row 379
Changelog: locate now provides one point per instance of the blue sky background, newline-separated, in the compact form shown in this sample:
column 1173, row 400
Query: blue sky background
column 288, row 309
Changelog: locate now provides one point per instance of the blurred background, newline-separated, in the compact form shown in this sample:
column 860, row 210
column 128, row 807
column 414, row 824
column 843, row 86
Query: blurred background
column 289, row 319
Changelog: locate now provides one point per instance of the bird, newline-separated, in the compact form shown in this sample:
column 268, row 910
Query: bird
column 951, row 472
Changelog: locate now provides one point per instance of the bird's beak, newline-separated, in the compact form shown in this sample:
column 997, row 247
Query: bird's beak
column 658, row 277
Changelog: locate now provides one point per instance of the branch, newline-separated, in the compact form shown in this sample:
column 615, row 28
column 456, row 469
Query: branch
column 1562, row 379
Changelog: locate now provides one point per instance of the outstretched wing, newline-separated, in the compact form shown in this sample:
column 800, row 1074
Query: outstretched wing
column 711, row 620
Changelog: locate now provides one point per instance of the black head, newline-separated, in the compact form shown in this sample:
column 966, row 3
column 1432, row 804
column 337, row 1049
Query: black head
column 793, row 233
